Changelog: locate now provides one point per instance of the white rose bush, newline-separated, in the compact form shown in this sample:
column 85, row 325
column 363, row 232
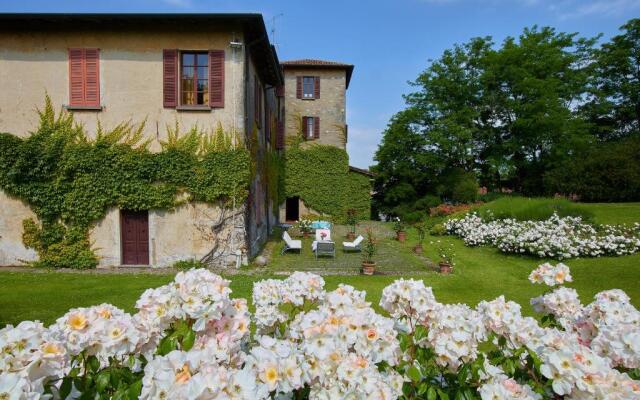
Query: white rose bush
column 190, row 340
column 557, row 237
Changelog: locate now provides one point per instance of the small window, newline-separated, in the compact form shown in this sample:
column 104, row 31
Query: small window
column 194, row 79
column 310, row 127
column 308, row 86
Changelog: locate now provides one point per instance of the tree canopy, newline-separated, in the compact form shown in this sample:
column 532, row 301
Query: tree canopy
column 510, row 116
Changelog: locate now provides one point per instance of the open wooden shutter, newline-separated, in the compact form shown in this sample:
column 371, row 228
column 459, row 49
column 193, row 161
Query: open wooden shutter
column 92, row 77
column 280, row 136
column 76, row 77
column 304, row 127
column 216, row 78
column 316, row 127
column 299, row 87
column 170, row 78
column 316, row 87
column 280, row 90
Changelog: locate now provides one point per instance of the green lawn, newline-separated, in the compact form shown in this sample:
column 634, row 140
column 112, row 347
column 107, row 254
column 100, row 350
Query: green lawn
column 481, row 273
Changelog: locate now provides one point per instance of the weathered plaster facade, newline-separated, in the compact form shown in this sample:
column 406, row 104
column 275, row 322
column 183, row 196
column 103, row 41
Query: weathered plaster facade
column 187, row 232
column 12, row 213
column 34, row 61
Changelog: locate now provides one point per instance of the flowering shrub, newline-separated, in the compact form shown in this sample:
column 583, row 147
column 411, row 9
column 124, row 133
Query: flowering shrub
column 305, row 225
column 556, row 237
column 190, row 340
column 445, row 209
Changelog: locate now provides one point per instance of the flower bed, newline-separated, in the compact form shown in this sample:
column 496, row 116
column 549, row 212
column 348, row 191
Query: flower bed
column 191, row 340
column 556, row 237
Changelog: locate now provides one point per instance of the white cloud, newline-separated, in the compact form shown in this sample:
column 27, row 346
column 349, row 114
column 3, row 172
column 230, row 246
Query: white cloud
column 178, row 3
column 578, row 9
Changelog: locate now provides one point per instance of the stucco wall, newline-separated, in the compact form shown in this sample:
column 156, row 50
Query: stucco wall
column 330, row 107
column 12, row 213
column 130, row 78
column 180, row 234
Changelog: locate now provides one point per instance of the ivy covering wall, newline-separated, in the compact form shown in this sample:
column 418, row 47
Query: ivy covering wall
column 320, row 176
column 70, row 180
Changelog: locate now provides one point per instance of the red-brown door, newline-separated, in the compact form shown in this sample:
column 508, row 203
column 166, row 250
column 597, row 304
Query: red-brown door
column 134, row 228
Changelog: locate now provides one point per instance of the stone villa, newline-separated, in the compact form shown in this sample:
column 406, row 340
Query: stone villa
column 194, row 69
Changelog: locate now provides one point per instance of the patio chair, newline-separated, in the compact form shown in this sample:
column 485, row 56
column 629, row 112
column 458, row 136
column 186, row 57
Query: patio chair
column 353, row 246
column 290, row 244
column 325, row 249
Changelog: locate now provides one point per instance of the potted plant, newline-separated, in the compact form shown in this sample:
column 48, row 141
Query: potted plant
column 368, row 251
column 352, row 221
column 446, row 254
column 305, row 227
column 401, row 230
column 421, row 229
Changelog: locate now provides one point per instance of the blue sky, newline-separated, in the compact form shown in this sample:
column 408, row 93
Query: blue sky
column 389, row 41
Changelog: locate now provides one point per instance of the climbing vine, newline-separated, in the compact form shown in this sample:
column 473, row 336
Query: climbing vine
column 320, row 176
column 70, row 180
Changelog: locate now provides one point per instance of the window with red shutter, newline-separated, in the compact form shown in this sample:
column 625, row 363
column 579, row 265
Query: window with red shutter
column 84, row 77
column 216, row 78
column 316, row 127
column 170, row 78
column 316, row 87
column 305, row 126
column 280, row 138
column 299, row 87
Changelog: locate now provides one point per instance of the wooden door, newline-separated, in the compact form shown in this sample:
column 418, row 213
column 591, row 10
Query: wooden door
column 134, row 228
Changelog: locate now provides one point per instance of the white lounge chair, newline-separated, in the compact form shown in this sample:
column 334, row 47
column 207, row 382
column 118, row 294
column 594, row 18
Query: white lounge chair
column 353, row 246
column 290, row 244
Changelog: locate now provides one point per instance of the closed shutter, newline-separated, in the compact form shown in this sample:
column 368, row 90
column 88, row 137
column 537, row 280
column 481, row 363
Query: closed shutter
column 316, row 127
column 170, row 78
column 92, row 77
column 84, row 77
column 299, row 87
column 76, row 77
column 280, row 90
column 316, row 87
column 304, row 127
column 216, row 78
column 280, row 137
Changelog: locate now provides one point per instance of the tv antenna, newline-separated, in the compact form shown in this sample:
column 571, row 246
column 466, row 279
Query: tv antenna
column 273, row 28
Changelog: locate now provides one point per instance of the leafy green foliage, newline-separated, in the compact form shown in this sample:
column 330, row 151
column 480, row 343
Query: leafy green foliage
column 532, row 209
column 70, row 181
column 516, row 115
column 320, row 176
column 185, row 265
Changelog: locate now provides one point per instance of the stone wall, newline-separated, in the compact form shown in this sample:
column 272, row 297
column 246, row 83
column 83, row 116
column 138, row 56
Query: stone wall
column 330, row 107
column 12, row 213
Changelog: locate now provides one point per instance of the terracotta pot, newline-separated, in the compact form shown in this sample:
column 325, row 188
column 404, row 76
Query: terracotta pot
column 368, row 268
column 418, row 249
column 351, row 236
column 401, row 236
column 445, row 268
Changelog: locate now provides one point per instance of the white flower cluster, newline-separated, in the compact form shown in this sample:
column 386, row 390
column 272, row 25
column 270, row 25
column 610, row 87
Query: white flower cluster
column 202, row 297
column 103, row 331
column 29, row 356
column 555, row 237
column 551, row 275
column 507, row 389
column 333, row 345
column 339, row 344
column 270, row 294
